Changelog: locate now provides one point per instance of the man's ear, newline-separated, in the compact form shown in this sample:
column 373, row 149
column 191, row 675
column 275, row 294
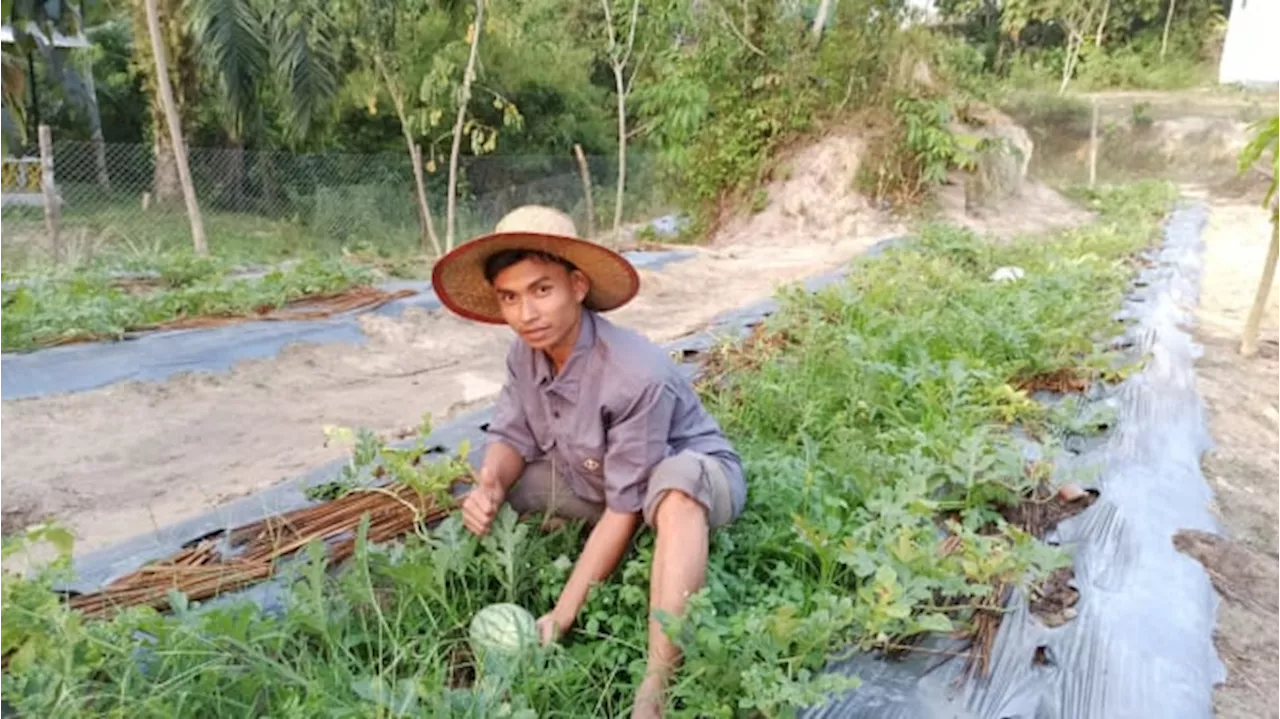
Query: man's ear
column 581, row 285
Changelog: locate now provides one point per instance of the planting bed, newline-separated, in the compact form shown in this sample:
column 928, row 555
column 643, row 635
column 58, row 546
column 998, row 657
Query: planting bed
column 895, row 471
column 201, row 345
column 1139, row 642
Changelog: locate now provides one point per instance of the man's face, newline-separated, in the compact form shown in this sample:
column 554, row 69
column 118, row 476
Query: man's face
column 541, row 301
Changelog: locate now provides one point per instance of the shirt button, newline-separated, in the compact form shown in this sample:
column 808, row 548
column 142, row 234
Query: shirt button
column 556, row 415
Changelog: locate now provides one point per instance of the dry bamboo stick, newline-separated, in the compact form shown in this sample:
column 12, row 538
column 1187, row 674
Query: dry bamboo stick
column 200, row 572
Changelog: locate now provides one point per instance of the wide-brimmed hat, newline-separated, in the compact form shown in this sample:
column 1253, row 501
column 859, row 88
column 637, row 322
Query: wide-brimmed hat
column 458, row 277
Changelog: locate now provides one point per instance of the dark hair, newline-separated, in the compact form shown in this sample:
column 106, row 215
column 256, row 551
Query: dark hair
column 503, row 259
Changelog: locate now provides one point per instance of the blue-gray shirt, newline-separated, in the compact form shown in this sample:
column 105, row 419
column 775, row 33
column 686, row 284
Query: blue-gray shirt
column 618, row 407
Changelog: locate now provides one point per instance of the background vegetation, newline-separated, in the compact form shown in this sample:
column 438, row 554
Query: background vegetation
column 706, row 92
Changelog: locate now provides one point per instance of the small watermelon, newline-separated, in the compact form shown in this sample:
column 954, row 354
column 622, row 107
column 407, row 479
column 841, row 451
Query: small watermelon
column 506, row 629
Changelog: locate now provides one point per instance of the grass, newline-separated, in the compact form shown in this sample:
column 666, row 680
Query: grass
column 874, row 423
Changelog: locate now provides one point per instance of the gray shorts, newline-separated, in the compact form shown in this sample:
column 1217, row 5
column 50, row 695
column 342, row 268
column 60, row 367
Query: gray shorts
column 702, row 477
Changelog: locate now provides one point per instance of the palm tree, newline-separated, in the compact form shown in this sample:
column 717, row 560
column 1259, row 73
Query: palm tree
column 240, row 42
column 1267, row 140
column 250, row 52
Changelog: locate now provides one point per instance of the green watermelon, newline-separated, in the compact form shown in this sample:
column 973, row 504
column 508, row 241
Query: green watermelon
column 505, row 629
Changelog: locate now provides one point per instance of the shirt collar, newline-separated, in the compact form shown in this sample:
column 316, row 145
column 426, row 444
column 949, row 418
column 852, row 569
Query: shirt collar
column 566, row 383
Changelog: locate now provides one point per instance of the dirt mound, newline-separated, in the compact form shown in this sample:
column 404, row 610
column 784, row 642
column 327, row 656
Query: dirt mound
column 999, row 197
column 813, row 199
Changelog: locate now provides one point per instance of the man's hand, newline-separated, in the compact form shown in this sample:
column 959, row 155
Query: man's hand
column 481, row 505
column 552, row 626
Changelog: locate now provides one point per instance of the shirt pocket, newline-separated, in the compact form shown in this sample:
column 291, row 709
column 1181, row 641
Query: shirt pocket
column 586, row 457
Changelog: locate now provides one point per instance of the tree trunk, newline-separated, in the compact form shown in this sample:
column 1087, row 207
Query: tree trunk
column 175, row 129
column 270, row 184
column 820, row 20
column 1168, row 22
column 427, row 227
column 464, row 98
column 236, row 174
column 95, row 122
column 1249, row 340
column 618, row 59
column 585, row 171
column 622, row 152
column 1102, row 24
column 1074, row 41
column 166, row 187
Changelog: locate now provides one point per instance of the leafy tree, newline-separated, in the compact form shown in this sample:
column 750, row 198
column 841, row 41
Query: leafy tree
column 261, row 57
column 403, row 53
column 620, row 34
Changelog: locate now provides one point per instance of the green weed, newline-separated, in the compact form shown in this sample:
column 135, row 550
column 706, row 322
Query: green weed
column 875, row 430
column 914, row 157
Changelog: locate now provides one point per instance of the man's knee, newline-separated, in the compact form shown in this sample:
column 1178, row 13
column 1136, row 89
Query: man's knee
column 696, row 485
column 677, row 507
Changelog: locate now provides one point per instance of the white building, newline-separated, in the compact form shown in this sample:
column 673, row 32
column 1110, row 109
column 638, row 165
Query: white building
column 1250, row 52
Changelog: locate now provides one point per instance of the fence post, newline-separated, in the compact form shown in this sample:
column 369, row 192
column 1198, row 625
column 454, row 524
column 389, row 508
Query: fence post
column 586, row 188
column 52, row 215
column 1093, row 146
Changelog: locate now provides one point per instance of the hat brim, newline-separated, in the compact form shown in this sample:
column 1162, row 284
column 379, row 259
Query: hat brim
column 458, row 277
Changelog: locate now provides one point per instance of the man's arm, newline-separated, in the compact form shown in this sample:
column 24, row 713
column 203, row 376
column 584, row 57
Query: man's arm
column 637, row 440
column 604, row 549
column 511, row 442
column 501, row 467
column 510, row 445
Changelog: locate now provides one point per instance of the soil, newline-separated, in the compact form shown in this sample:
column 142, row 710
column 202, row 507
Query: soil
column 1054, row 601
column 122, row 460
column 1242, row 467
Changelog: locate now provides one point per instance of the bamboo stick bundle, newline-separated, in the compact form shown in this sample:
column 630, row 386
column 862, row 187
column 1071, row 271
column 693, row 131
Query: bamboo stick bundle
column 201, row 571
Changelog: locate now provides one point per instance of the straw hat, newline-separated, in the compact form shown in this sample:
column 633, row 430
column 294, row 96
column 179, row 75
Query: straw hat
column 458, row 277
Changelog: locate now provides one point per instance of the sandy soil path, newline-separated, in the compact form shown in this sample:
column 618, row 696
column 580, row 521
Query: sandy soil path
column 1241, row 396
column 125, row 459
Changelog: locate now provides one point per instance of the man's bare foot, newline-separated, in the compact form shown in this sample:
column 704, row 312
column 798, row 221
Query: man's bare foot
column 649, row 698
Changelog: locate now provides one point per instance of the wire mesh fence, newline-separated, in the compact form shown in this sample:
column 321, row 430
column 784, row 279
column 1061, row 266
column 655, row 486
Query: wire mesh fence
column 262, row 205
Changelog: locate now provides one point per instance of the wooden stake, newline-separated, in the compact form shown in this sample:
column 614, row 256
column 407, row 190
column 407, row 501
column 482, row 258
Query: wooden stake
column 1093, row 146
column 52, row 214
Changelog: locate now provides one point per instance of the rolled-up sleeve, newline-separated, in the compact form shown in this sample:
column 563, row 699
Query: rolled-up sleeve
column 637, row 440
column 510, row 424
